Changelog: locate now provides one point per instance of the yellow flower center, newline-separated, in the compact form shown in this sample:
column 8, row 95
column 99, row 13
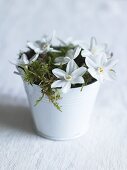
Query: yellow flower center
column 68, row 77
column 100, row 70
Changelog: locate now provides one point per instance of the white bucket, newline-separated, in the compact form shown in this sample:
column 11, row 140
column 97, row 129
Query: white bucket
column 72, row 122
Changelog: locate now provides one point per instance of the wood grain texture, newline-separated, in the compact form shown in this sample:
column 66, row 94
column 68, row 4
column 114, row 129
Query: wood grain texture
column 104, row 147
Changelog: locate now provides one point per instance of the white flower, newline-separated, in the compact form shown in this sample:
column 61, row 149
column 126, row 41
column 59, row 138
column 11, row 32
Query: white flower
column 101, row 68
column 70, row 42
column 41, row 47
column 94, row 49
column 24, row 59
column 73, row 75
column 71, row 55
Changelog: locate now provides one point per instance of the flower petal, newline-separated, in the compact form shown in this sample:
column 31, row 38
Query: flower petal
column 110, row 75
column 93, row 73
column 99, row 49
column 36, row 46
column 32, row 45
column 53, row 50
column 66, row 59
column 25, row 59
column 78, row 72
column 34, row 58
column 59, row 60
column 70, row 53
column 76, row 52
column 91, row 62
column 93, row 43
column 59, row 73
column 46, row 39
column 101, row 78
column 71, row 66
column 86, row 53
column 111, row 63
column 101, row 59
column 66, row 87
column 58, row 83
column 78, row 80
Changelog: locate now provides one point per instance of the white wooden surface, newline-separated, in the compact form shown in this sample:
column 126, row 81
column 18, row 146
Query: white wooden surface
column 104, row 147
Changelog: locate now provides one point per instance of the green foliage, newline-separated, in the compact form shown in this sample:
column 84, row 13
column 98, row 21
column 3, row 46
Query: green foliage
column 39, row 73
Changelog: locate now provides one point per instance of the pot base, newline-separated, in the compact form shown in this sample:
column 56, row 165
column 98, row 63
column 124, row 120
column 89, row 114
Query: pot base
column 59, row 139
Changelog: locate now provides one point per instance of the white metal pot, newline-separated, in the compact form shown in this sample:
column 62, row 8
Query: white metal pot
column 72, row 122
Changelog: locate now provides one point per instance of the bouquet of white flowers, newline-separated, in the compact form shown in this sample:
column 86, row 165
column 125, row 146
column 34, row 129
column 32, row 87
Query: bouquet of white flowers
column 70, row 64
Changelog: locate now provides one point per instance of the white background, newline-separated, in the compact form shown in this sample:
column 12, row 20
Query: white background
column 104, row 147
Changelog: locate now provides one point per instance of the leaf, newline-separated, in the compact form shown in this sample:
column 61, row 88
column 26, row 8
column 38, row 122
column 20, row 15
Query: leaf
column 38, row 100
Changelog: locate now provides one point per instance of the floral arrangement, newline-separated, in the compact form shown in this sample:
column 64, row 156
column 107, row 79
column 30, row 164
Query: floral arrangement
column 70, row 64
